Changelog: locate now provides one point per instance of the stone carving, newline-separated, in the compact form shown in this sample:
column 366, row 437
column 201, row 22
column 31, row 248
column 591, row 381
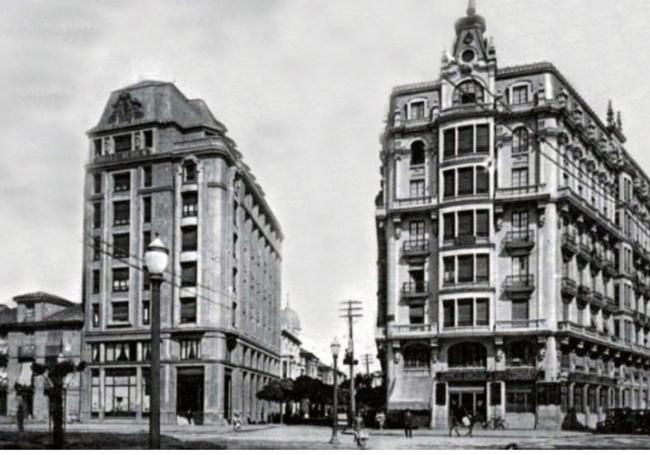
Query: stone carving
column 126, row 109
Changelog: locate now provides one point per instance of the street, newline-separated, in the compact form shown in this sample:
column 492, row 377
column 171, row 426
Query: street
column 117, row 436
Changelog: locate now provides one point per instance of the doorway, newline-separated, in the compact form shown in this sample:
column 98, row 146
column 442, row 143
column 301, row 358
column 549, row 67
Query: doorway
column 470, row 398
column 189, row 394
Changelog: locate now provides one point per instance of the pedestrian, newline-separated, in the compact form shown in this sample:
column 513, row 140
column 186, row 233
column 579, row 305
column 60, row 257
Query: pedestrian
column 190, row 416
column 381, row 419
column 408, row 424
column 20, row 417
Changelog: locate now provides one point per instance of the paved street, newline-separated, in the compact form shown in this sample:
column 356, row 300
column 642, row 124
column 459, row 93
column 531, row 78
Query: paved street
column 307, row 437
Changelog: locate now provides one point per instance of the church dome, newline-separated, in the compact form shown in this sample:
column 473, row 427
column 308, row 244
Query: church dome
column 290, row 320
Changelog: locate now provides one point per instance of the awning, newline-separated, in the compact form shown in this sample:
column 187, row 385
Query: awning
column 412, row 393
column 25, row 376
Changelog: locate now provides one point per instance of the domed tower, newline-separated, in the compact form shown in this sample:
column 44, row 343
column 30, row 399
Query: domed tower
column 290, row 320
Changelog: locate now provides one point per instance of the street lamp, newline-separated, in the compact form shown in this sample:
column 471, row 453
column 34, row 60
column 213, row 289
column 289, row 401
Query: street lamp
column 335, row 347
column 156, row 259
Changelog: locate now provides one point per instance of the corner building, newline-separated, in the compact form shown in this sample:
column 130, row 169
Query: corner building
column 514, row 248
column 162, row 164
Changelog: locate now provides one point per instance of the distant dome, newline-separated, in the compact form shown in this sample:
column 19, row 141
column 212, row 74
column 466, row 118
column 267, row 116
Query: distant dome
column 290, row 320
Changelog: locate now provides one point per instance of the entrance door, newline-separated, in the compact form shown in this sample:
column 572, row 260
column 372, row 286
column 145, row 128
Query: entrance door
column 470, row 399
column 227, row 395
column 189, row 393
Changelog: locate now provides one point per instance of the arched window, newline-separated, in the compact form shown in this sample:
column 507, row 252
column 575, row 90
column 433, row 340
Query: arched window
column 520, row 140
column 468, row 92
column 417, row 153
column 520, row 354
column 467, row 355
column 416, row 356
column 189, row 172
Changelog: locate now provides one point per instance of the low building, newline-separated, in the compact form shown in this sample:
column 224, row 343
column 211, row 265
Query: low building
column 42, row 328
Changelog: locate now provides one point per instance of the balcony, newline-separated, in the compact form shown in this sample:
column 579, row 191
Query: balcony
column 597, row 299
column 417, row 247
column 597, row 261
column 521, row 193
column 27, row 351
column 465, row 240
column 609, row 304
column 585, row 252
column 519, row 285
column 584, row 294
column 528, row 324
column 588, row 332
column 569, row 288
column 122, row 156
column 569, row 244
column 414, row 202
column 609, row 268
column 519, row 243
column 415, row 290
column 412, row 330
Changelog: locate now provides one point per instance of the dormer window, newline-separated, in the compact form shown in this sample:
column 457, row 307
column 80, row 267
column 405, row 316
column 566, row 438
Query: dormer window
column 416, row 110
column 519, row 95
column 468, row 92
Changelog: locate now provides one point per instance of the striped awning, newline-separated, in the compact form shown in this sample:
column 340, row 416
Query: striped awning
column 412, row 393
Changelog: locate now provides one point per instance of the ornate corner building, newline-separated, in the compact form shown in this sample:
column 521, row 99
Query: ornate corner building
column 514, row 247
column 160, row 164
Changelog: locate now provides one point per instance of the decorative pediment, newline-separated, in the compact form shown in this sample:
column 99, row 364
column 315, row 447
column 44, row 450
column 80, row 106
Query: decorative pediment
column 126, row 109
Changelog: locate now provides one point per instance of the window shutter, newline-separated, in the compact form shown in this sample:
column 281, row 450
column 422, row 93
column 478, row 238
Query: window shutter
column 482, row 317
column 482, row 223
column 465, row 313
column 465, row 140
column 466, row 181
column 482, row 180
column 448, row 310
column 465, row 269
column 450, row 142
column 482, row 139
column 465, row 225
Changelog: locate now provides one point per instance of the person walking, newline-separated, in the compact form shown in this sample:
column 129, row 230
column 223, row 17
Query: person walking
column 408, row 424
column 20, row 416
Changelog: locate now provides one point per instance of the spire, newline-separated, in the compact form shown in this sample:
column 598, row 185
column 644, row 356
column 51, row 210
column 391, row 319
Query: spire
column 619, row 120
column 471, row 8
column 610, row 113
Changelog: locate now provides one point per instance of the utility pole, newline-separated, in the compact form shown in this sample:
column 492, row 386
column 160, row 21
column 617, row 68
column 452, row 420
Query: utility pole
column 351, row 310
column 368, row 359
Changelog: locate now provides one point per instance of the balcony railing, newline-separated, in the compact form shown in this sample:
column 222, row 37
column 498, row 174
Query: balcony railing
column 122, row 156
column 520, row 191
column 584, row 251
column 521, row 324
column 415, row 289
column 480, row 282
column 569, row 242
column 522, row 240
column 597, row 260
column 463, row 240
column 462, row 155
column 598, row 299
column 609, row 267
column 569, row 287
column 584, row 293
column 416, row 247
column 412, row 329
column 519, row 284
column 413, row 202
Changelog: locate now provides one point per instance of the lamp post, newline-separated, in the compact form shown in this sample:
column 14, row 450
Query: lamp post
column 335, row 347
column 156, row 259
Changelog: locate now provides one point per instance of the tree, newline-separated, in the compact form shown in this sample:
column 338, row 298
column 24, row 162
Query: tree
column 56, row 375
column 277, row 391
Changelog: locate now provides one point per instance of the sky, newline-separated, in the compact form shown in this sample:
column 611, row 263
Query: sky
column 303, row 87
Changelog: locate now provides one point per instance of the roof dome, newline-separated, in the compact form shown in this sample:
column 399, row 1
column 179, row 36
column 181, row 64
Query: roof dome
column 290, row 320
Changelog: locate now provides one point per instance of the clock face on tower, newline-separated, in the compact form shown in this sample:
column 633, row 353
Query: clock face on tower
column 468, row 55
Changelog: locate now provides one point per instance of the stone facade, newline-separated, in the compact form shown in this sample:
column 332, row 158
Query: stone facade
column 513, row 238
column 160, row 164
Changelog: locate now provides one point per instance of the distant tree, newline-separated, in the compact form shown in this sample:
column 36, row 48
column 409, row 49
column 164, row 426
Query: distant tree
column 277, row 391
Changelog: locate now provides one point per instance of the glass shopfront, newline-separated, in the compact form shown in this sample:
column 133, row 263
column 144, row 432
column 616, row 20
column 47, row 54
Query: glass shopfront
column 120, row 392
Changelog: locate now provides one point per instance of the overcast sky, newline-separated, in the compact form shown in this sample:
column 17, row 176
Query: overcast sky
column 302, row 86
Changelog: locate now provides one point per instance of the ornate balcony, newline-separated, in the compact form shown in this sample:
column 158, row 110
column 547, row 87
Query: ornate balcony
column 597, row 299
column 569, row 243
column 609, row 267
column 569, row 287
column 609, row 304
column 597, row 260
column 519, row 243
column 519, row 285
column 585, row 252
column 530, row 192
column 415, row 290
column 526, row 324
column 413, row 202
column 417, row 247
column 412, row 330
column 584, row 294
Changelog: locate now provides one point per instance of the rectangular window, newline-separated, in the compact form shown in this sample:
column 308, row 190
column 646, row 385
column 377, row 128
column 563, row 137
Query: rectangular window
column 120, row 280
column 465, row 312
column 97, row 248
column 519, row 397
column 98, row 147
column 449, row 313
column 449, row 267
column 482, row 268
column 189, row 173
column 450, row 184
column 482, row 181
column 520, row 266
column 450, row 143
column 482, row 312
column 520, row 95
column 146, row 240
column 188, row 274
column 97, row 183
column 122, row 143
column 449, row 220
column 465, row 140
column 190, row 204
column 466, row 181
column 465, row 269
column 416, row 314
column 96, row 282
column 416, row 230
column 416, row 110
column 146, row 177
column 466, row 223
column 146, row 279
column 121, row 182
column 188, row 310
column 145, row 312
column 121, row 213
column 97, row 215
column 148, row 139
column 190, row 349
column 482, row 223
column 416, row 188
column 495, row 394
column 520, row 178
column 146, row 216
column 520, row 220
column 520, row 310
column 482, row 139
column 120, row 311
column 189, row 241
column 121, row 246
column 95, row 315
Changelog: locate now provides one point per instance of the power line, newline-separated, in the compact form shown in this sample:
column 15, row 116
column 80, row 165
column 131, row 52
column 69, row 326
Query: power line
column 351, row 310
